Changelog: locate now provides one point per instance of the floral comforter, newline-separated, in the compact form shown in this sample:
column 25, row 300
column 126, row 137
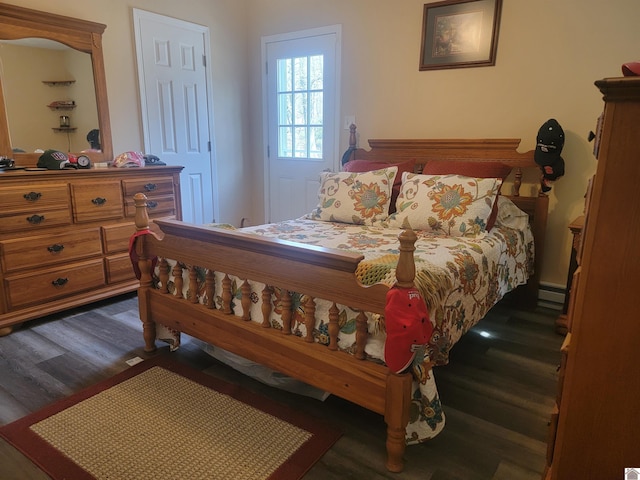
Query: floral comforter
column 459, row 278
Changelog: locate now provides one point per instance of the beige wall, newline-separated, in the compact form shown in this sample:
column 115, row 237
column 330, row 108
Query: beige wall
column 549, row 54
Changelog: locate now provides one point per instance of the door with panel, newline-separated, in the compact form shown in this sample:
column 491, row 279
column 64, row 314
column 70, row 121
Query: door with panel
column 175, row 101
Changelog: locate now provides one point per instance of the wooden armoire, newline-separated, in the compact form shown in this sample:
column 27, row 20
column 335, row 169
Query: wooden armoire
column 595, row 428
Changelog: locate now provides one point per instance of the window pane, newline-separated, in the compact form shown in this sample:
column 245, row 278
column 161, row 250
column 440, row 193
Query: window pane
column 284, row 75
column 300, row 104
column 316, row 72
column 284, row 109
column 285, row 148
column 315, row 142
column 300, row 142
column 300, row 78
column 315, row 108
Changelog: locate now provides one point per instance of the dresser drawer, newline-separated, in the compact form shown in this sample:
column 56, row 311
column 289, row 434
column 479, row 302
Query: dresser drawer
column 45, row 285
column 96, row 201
column 116, row 237
column 29, row 252
column 156, row 206
column 32, row 197
column 119, row 268
column 34, row 220
column 148, row 186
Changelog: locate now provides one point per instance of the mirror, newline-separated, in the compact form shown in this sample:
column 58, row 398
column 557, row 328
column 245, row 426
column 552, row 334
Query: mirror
column 79, row 64
column 28, row 68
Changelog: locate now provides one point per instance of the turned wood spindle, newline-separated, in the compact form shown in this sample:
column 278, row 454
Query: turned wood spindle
column 309, row 318
column 285, row 302
column 210, row 289
column 178, row 281
column 266, row 307
column 334, row 327
column 362, row 333
column 193, row 284
column 245, row 301
column 226, row 295
column 163, row 274
column 517, row 182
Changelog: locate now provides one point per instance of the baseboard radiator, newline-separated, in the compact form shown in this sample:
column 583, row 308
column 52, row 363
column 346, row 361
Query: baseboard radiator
column 551, row 295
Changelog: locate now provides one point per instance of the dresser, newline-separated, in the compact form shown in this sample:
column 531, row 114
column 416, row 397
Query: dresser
column 64, row 235
column 595, row 425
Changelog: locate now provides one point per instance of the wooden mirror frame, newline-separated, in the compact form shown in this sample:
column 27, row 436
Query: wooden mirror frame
column 82, row 35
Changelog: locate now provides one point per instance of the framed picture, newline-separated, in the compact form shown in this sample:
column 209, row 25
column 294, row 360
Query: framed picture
column 460, row 33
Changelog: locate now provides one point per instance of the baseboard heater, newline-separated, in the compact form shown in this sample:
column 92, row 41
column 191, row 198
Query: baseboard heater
column 551, row 296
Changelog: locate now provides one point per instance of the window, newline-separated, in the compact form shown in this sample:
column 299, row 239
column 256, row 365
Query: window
column 300, row 106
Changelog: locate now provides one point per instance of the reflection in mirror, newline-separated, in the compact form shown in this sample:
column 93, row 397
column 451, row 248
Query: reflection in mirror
column 18, row 23
column 38, row 109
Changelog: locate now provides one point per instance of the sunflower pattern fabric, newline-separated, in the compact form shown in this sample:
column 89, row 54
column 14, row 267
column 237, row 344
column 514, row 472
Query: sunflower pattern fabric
column 451, row 205
column 357, row 198
column 460, row 279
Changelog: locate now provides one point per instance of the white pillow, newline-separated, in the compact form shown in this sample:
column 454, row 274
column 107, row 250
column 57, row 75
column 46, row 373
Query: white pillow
column 451, row 205
column 510, row 216
column 358, row 198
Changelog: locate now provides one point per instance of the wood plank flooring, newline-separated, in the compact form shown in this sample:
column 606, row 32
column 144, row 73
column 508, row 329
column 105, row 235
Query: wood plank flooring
column 497, row 391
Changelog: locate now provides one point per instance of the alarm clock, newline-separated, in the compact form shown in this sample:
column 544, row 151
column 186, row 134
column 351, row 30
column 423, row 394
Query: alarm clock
column 83, row 161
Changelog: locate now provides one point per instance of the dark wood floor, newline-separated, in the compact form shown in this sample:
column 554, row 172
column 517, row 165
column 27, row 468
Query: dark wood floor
column 498, row 392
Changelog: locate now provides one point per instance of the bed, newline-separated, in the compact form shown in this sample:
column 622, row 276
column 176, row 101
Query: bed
column 307, row 297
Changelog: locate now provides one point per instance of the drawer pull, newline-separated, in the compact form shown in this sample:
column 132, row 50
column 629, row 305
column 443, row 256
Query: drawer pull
column 59, row 282
column 55, row 248
column 35, row 219
column 99, row 201
column 152, row 204
column 32, row 196
column 150, row 187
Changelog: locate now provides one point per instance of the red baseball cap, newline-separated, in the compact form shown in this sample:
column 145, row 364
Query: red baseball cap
column 631, row 69
column 408, row 327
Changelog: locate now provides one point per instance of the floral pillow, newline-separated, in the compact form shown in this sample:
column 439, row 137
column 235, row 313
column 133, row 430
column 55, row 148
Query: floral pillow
column 358, row 198
column 452, row 205
column 359, row 165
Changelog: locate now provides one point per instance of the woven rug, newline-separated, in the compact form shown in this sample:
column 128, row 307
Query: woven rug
column 164, row 420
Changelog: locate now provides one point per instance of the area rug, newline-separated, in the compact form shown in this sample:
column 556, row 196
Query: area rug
column 163, row 419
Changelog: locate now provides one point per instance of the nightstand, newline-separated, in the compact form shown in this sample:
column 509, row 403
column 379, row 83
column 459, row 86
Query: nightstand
column 576, row 227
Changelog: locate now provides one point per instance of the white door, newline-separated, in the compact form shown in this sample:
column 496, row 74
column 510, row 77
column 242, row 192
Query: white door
column 175, row 105
column 301, row 91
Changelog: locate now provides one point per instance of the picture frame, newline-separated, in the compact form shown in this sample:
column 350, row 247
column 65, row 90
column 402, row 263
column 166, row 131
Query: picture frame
column 459, row 34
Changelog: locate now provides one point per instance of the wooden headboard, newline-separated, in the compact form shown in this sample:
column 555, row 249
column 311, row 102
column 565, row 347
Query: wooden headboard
column 501, row 150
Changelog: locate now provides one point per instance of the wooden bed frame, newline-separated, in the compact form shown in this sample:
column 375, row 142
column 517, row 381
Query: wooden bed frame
column 328, row 274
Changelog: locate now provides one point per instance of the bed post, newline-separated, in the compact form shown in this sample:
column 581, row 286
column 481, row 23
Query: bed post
column 346, row 156
column 396, row 416
column 398, row 388
column 146, row 280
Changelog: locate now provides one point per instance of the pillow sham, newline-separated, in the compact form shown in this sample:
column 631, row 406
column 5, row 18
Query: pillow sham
column 358, row 198
column 509, row 215
column 369, row 165
column 453, row 205
column 471, row 169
